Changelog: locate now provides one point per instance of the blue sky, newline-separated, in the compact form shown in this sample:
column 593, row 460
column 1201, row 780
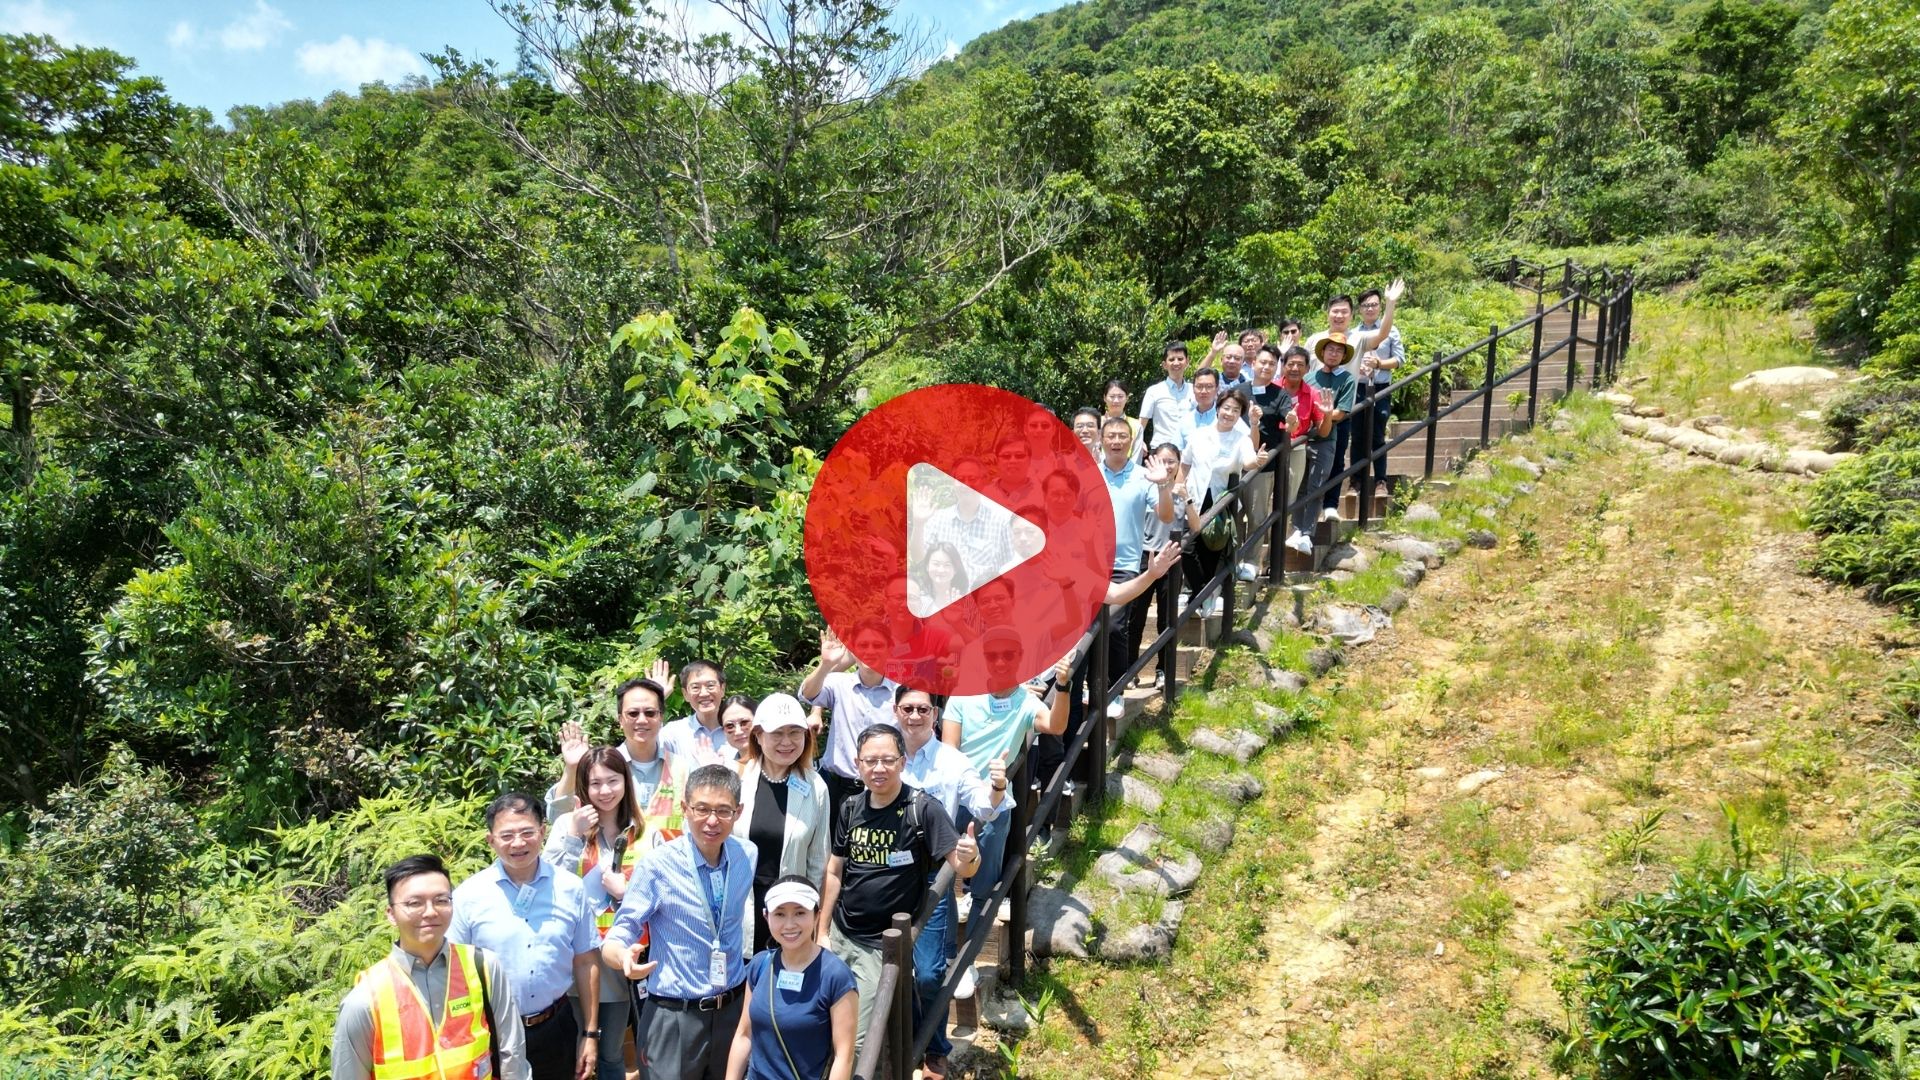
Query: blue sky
column 220, row 53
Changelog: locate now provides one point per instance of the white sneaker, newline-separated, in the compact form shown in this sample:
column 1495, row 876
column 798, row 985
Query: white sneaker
column 964, row 990
column 1219, row 607
column 1246, row 571
column 1331, row 513
column 1300, row 542
column 1116, row 709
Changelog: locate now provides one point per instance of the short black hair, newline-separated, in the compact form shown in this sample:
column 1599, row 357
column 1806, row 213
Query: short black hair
column 939, row 700
column 1296, row 350
column 1089, row 411
column 876, row 731
column 698, row 664
column 1267, row 347
column 414, row 866
column 1364, row 293
column 1065, row 476
column 1174, row 347
column 1342, row 298
column 1284, row 323
column 717, row 777
column 620, row 693
column 514, row 802
column 1205, row 373
column 1111, row 421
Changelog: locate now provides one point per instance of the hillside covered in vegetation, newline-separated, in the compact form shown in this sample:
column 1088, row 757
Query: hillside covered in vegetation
column 352, row 446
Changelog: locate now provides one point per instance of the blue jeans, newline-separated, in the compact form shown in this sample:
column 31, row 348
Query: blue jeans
column 930, row 955
column 992, row 838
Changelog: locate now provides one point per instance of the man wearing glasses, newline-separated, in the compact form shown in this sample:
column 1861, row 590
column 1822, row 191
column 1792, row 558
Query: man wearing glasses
column 691, row 895
column 429, row 1004
column 946, row 775
column 640, row 708
column 699, row 739
column 538, row 921
column 890, row 839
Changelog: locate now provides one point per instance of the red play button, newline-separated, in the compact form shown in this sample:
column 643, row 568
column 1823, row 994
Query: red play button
column 959, row 539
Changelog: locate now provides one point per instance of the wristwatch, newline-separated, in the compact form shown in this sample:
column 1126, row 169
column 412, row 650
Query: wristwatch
column 589, row 1034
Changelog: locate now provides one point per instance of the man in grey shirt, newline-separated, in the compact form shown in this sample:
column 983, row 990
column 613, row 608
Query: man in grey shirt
column 420, row 907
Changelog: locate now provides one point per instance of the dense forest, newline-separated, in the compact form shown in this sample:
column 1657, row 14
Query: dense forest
column 352, row 446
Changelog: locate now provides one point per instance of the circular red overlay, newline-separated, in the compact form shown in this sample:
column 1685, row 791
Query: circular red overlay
column 949, row 444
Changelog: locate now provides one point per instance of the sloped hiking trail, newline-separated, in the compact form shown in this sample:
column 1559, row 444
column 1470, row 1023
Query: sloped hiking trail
column 1557, row 722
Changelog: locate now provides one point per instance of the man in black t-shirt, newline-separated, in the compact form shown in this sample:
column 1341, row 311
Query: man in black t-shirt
column 889, row 840
column 1275, row 403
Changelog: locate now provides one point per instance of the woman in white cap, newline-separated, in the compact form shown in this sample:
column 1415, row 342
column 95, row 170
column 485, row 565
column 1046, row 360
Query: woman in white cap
column 801, row 1002
column 783, row 801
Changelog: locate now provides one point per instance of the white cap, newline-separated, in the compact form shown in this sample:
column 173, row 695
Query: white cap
column 793, row 892
column 778, row 711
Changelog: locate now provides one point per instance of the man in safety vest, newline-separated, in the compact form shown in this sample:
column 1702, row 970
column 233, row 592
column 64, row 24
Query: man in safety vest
column 430, row 1010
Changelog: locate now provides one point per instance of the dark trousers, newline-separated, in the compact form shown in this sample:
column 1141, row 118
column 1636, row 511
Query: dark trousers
column 686, row 1044
column 553, row 1047
column 1379, row 403
column 1122, row 647
column 839, row 790
column 1342, row 439
column 1320, row 458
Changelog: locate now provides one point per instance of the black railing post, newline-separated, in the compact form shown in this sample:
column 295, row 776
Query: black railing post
column 1364, row 482
column 1238, row 495
column 1027, row 792
column 1486, row 406
column 1170, row 614
column 1099, row 692
column 1600, row 344
column 1276, row 536
column 1433, row 413
column 1573, row 342
column 1533, row 369
column 896, row 947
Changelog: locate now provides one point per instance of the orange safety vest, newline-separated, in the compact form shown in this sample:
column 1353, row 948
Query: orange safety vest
column 408, row 1044
column 590, row 857
column 661, row 819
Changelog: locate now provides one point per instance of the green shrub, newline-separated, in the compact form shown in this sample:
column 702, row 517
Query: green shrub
column 105, row 867
column 1737, row 973
column 1883, row 412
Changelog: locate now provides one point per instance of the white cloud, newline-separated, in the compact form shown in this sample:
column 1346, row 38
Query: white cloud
column 35, row 17
column 952, row 50
column 352, row 61
column 182, row 36
column 255, row 30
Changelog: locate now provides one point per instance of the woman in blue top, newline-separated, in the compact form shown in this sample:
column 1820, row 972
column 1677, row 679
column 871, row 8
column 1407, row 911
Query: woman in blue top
column 801, row 1002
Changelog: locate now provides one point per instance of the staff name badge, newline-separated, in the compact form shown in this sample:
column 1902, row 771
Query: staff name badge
column 790, row 980
column 717, row 969
column 899, row 858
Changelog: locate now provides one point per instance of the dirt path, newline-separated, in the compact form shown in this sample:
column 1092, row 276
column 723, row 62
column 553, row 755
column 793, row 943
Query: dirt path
column 1560, row 721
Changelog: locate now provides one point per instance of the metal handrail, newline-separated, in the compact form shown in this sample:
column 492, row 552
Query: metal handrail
column 1037, row 805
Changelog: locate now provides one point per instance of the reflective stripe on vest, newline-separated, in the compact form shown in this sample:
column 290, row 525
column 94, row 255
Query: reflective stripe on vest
column 590, row 857
column 408, row 1045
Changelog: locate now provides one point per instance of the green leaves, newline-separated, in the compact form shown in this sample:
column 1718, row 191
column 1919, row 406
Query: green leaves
column 1728, row 972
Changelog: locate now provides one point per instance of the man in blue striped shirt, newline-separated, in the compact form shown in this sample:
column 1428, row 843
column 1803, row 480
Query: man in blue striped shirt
column 691, row 896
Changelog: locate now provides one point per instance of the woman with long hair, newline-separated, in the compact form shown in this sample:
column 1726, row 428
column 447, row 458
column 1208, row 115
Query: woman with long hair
column 783, row 802
column 601, row 842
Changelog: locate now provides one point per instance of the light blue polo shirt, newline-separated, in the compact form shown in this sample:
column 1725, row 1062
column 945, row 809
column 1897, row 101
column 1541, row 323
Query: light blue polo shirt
column 535, row 929
column 1134, row 497
column 992, row 726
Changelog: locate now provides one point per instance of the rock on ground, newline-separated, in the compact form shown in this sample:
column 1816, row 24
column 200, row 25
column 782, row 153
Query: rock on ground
column 1148, row 942
column 1163, row 768
column 1351, row 624
column 1786, row 378
column 1291, row 681
column 1132, row 867
column 1241, row 746
column 1394, row 601
column 1482, row 539
column 1420, row 512
column 1058, row 923
column 1135, row 792
column 1349, row 558
column 1214, row 835
column 1323, row 660
column 1276, row 720
column 1473, row 782
column 1236, row 788
column 1413, row 549
column 1411, row 573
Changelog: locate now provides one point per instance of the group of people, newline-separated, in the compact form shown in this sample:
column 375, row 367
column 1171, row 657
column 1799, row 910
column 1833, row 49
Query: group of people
column 713, row 892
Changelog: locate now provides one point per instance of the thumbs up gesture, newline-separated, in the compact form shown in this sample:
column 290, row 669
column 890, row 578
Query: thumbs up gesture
column 968, row 849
